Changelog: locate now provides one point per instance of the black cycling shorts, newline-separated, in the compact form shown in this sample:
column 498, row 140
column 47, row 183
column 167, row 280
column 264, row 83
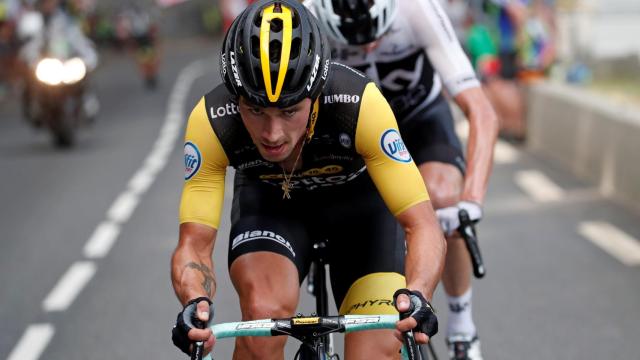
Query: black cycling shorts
column 430, row 135
column 363, row 236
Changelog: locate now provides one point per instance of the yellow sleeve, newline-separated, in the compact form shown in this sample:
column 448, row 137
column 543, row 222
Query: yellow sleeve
column 388, row 161
column 205, row 167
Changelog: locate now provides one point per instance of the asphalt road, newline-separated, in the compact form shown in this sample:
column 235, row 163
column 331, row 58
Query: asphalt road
column 549, row 294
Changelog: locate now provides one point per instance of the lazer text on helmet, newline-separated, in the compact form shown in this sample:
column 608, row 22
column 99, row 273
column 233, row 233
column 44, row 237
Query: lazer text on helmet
column 234, row 68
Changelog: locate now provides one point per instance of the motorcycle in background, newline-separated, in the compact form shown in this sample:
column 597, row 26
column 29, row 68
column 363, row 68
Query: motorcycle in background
column 58, row 59
column 58, row 84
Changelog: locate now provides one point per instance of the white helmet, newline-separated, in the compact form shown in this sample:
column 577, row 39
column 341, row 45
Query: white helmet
column 356, row 22
column 29, row 25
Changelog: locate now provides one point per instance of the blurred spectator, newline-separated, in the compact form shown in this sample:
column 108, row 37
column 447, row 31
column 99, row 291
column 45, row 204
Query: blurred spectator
column 57, row 24
column 137, row 31
column 230, row 9
column 510, row 43
column 9, row 44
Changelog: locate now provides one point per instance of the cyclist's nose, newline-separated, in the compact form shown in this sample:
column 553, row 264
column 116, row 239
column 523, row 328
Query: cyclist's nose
column 272, row 130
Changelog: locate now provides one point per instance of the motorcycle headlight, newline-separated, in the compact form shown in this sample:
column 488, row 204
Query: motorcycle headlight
column 50, row 71
column 74, row 71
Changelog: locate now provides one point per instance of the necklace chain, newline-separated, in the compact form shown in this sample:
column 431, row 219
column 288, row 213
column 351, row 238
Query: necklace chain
column 286, row 183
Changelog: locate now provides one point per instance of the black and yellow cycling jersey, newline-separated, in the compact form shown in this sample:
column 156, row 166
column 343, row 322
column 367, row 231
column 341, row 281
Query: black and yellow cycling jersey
column 355, row 133
column 356, row 175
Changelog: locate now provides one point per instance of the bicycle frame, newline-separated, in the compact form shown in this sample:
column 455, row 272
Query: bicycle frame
column 310, row 329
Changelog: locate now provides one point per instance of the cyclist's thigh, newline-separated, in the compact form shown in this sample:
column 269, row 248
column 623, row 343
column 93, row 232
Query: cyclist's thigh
column 367, row 252
column 430, row 135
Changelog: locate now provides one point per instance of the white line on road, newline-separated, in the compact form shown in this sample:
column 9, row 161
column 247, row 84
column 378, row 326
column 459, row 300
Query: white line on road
column 106, row 234
column 538, row 186
column 33, row 342
column 141, row 181
column 69, row 286
column 123, row 207
column 102, row 240
column 614, row 241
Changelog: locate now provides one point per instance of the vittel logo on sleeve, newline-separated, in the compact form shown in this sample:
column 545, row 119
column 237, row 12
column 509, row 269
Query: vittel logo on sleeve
column 192, row 160
column 394, row 147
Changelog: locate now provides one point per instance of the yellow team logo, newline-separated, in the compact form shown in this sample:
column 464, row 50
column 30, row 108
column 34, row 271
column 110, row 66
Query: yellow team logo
column 327, row 170
column 282, row 13
column 306, row 321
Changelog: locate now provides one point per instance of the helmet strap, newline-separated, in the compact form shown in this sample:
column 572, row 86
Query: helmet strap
column 313, row 117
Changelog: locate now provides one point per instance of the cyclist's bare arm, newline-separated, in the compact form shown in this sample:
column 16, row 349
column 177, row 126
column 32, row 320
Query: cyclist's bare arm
column 483, row 132
column 191, row 265
column 192, row 274
column 425, row 245
column 445, row 53
column 200, row 208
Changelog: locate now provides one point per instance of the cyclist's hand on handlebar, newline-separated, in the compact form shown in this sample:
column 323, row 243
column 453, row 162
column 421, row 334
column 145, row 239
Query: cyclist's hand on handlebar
column 192, row 325
column 450, row 219
column 416, row 313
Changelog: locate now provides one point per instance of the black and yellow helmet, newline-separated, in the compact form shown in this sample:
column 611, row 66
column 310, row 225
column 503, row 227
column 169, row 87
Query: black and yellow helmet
column 275, row 54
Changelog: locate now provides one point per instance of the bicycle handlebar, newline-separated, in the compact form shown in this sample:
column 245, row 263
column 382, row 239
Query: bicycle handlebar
column 304, row 328
column 468, row 232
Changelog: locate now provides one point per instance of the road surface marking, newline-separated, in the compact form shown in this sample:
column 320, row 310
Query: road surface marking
column 69, row 286
column 123, row 207
column 505, row 153
column 33, row 342
column 538, row 186
column 141, row 181
column 102, row 240
column 614, row 241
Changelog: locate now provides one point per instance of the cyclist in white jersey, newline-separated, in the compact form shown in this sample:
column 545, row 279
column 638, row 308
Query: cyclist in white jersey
column 410, row 49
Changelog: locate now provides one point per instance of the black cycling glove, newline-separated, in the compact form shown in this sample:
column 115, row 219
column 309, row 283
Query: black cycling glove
column 419, row 309
column 187, row 320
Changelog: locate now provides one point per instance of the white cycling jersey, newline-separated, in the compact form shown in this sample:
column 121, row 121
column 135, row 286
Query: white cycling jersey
column 420, row 40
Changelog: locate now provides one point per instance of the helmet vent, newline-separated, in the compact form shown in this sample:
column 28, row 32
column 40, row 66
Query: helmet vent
column 275, row 49
column 289, row 77
column 274, row 76
column 276, row 25
column 255, row 47
column 296, row 45
column 259, row 84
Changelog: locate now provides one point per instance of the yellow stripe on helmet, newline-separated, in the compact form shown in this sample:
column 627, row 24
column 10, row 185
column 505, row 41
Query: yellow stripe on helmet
column 265, row 30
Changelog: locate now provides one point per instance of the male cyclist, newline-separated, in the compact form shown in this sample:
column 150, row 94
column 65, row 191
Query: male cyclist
column 318, row 156
column 410, row 49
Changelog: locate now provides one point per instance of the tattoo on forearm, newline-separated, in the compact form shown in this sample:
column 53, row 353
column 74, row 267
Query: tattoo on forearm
column 209, row 279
